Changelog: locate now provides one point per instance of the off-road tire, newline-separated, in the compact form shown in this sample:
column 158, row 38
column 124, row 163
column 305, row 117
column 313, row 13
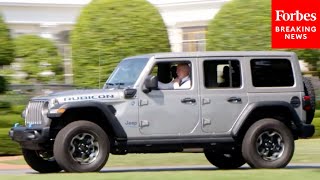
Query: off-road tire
column 69, row 134
column 251, row 148
column 222, row 160
column 36, row 162
column 309, row 91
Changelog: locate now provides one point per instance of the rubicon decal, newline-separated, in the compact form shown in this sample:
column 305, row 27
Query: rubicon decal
column 295, row 24
column 89, row 97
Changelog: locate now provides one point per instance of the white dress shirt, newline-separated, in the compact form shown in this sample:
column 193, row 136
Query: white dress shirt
column 184, row 84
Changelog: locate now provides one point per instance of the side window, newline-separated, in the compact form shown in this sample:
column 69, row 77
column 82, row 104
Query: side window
column 222, row 74
column 271, row 72
column 173, row 75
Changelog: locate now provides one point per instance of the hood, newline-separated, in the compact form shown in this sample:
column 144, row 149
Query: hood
column 84, row 95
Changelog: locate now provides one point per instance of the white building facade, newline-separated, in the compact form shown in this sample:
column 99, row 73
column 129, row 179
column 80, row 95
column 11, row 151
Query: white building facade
column 186, row 20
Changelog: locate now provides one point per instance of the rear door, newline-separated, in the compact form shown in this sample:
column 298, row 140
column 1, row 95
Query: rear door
column 223, row 94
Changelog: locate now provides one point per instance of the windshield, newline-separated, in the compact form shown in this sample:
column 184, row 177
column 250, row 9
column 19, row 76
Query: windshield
column 126, row 73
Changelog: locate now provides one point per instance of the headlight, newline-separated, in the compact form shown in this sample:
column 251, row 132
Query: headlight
column 52, row 103
column 45, row 109
column 48, row 105
column 23, row 114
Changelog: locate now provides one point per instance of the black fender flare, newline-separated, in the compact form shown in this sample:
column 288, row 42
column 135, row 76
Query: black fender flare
column 107, row 110
column 254, row 106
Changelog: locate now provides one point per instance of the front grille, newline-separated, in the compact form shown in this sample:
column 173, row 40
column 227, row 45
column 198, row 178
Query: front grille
column 34, row 113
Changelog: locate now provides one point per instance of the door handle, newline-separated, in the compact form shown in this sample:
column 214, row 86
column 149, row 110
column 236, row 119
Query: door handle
column 234, row 100
column 188, row 100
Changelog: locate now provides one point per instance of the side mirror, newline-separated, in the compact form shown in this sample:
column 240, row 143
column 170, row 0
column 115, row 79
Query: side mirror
column 151, row 83
column 130, row 93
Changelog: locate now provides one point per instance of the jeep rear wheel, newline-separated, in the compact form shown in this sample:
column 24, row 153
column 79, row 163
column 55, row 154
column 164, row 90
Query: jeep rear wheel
column 42, row 162
column 222, row 160
column 82, row 146
column 268, row 144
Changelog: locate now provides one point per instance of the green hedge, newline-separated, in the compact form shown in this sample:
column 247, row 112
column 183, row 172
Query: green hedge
column 7, row 146
column 318, row 105
column 39, row 54
column 15, row 99
column 246, row 25
column 6, row 46
column 4, row 105
column 11, row 109
column 108, row 31
column 9, row 119
column 3, row 84
column 316, row 123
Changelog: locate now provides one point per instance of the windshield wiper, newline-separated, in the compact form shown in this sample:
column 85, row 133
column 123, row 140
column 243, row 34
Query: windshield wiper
column 119, row 84
column 114, row 84
column 108, row 84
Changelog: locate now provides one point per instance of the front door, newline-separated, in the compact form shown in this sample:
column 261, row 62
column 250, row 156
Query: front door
column 223, row 95
column 168, row 111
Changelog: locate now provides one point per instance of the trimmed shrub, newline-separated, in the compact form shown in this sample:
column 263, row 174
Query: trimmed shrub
column 110, row 30
column 5, row 105
column 7, row 146
column 246, row 25
column 6, row 46
column 38, row 55
column 3, row 84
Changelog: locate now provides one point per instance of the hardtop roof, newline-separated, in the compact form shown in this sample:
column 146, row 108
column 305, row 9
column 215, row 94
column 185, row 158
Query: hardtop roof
column 215, row 54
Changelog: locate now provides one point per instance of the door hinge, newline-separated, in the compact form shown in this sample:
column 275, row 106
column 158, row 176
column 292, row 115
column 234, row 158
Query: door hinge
column 144, row 123
column 206, row 122
column 206, row 101
column 143, row 102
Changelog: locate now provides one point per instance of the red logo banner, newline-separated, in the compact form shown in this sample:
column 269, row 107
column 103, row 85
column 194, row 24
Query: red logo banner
column 295, row 23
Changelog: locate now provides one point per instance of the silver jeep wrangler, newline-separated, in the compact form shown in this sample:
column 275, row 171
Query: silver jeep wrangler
column 242, row 107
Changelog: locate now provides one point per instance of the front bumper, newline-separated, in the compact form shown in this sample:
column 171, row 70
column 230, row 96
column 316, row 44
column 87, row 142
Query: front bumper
column 306, row 130
column 30, row 137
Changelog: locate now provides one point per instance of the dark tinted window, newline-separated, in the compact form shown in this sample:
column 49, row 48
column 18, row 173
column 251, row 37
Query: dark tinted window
column 271, row 73
column 222, row 74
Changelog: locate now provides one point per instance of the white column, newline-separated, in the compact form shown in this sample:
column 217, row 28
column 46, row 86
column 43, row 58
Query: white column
column 175, row 38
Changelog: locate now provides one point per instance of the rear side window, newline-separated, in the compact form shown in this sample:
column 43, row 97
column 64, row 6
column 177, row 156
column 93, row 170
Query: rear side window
column 271, row 73
column 222, row 74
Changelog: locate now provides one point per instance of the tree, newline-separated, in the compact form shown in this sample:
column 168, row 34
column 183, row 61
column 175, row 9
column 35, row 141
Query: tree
column 39, row 57
column 110, row 30
column 6, row 51
column 246, row 25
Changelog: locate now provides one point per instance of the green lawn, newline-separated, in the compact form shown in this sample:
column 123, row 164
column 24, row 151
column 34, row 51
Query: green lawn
column 245, row 174
column 307, row 151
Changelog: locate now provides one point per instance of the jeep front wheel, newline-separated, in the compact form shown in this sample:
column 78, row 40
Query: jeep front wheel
column 43, row 162
column 268, row 144
column 222, row 160
column 82, row 146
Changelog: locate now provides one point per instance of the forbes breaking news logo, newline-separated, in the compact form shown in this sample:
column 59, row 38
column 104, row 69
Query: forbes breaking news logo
column 295, row 32
column 295, row 25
